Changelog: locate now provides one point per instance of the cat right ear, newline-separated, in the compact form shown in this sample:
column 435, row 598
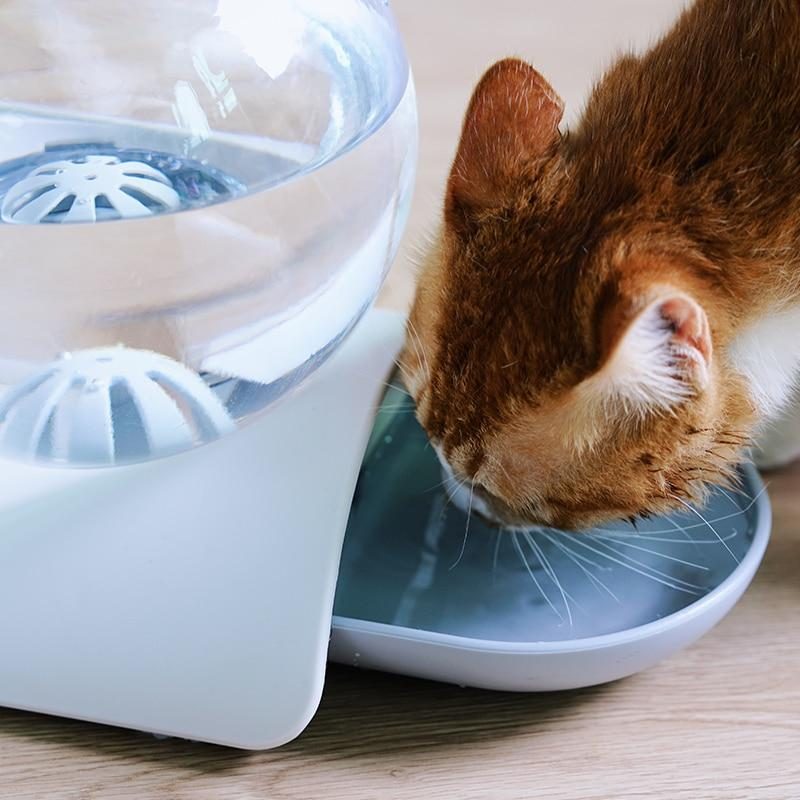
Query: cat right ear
column 656, row 357
column 512, row 120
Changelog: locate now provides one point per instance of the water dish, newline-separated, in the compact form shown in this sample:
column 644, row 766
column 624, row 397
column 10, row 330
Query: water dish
column 424, row 591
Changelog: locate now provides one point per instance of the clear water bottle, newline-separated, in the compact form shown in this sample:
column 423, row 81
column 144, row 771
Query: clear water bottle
column 198, row 200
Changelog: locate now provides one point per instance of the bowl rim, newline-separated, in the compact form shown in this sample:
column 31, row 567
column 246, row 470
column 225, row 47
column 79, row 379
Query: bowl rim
column 736, row 582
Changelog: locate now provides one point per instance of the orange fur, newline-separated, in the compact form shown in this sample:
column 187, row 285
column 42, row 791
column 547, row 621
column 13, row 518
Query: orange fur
column 572, row 346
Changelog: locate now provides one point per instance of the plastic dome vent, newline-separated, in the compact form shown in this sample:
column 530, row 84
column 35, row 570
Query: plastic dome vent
column 104, row 405
column 76, row 190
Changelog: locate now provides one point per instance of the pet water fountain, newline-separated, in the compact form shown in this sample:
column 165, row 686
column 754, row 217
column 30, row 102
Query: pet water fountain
column 192, row 221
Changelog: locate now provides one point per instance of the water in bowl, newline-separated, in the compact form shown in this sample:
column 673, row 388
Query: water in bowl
column 411, row 559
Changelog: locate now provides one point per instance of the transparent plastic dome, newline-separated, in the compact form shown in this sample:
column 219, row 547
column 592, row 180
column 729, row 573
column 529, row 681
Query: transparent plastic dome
column 198, row 200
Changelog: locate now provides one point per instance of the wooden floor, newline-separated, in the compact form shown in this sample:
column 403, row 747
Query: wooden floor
column 720, row 721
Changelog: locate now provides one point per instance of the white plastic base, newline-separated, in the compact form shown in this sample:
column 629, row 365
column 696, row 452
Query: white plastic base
column 192, row 596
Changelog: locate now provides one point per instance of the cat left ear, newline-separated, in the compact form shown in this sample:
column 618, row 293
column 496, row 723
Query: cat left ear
column 654, row 358
column 512, row 120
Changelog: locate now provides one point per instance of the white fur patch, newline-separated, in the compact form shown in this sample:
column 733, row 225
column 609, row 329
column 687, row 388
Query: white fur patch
column 643, row 373
column 768, row 355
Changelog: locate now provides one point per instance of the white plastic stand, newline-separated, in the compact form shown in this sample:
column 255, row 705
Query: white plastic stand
column 192, row 596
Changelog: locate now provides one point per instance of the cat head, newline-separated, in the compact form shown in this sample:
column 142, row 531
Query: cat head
column 566, row 345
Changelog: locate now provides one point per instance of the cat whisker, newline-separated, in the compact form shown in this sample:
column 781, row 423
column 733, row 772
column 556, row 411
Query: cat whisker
column 551, row 573
column 502, row 467
column 650, row 537
column 561, row 535
column 664, row 539
column 708, row 524
column 649, row 534
column 649, row 551
column 695, row 591
column 703, row 524
column 419, row 348
column 447, row 483
column 731, row 497
column 684, row 532
column 497, row 552
column 390, row 385
column 439, row 485
column 576, row 559
column 649, row 568
column 404, row 372
column 413, row 339
column 466, row 528
column 451, row 490
column 518, row 547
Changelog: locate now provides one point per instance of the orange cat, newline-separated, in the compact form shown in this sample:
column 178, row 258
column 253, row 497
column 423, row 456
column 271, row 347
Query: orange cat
column 609, row 314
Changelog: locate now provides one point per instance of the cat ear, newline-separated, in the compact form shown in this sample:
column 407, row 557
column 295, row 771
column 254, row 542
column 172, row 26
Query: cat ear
column 512, row 119
column 656, row 357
